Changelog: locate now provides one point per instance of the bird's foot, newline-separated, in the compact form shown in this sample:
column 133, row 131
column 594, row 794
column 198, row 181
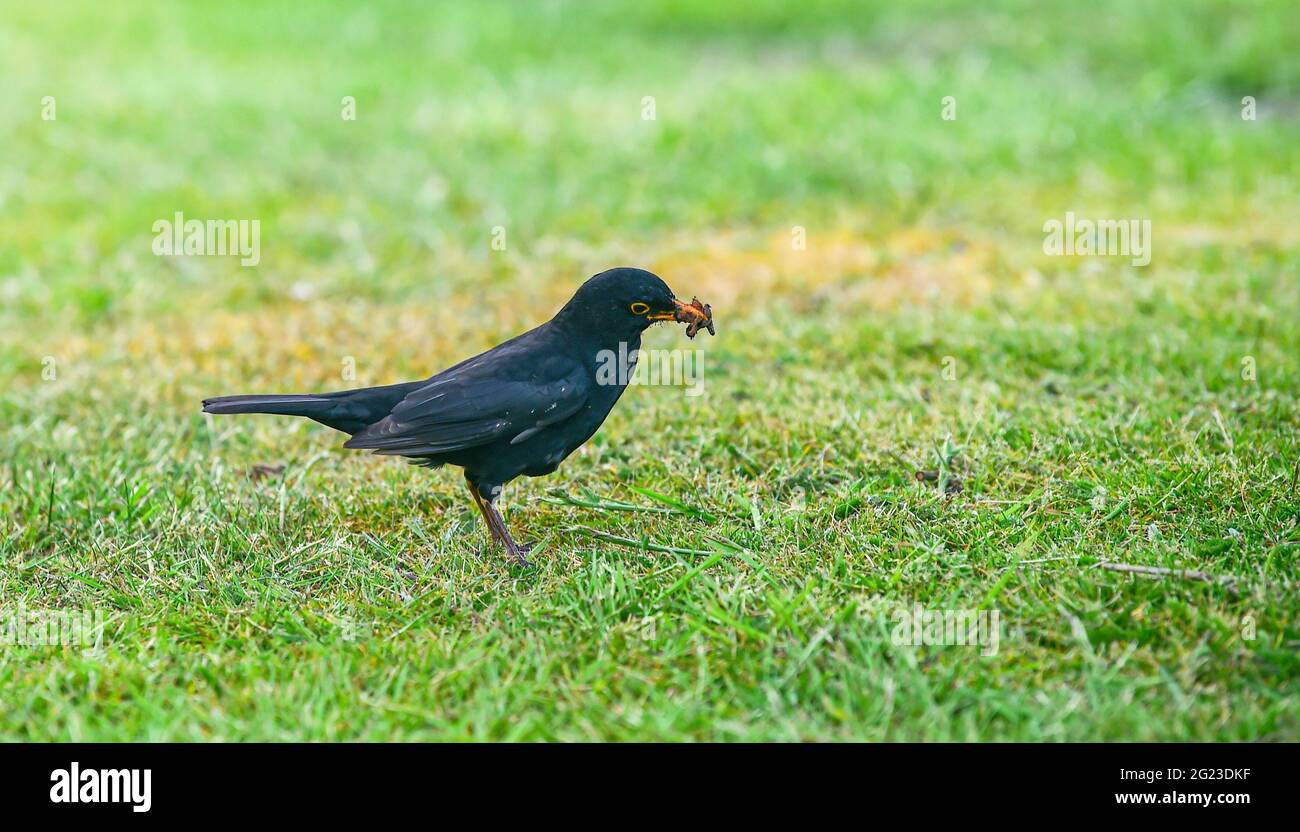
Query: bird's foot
column 519, row 553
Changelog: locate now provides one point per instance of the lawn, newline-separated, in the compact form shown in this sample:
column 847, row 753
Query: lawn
column 727, row 566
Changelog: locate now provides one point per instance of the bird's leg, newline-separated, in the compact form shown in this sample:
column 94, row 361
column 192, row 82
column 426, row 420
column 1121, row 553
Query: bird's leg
column 513, row 549
column 482, row 510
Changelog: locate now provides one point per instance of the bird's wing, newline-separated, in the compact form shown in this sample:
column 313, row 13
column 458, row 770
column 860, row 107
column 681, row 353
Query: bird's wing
column 478, row 402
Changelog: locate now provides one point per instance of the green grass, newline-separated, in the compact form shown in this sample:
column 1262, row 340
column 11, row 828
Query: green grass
column 718, row 567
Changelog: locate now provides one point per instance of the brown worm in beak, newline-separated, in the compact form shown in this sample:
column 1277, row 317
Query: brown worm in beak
column 694, row 315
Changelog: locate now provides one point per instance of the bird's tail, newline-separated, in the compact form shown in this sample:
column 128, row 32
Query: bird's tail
column 302, row 404
column 318, row 408
column 348, row 410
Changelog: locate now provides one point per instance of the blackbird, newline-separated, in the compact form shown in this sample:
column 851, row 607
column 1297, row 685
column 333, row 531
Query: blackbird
column 519, row 408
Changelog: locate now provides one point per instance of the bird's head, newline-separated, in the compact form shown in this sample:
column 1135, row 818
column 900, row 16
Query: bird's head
column 622, row 302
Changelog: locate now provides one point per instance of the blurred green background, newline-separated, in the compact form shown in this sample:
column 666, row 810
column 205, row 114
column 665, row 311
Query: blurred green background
column 793, row 477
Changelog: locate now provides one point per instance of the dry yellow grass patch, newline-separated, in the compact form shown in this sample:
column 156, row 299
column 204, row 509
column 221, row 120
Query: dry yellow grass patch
column 746, row 270
column 325, row 343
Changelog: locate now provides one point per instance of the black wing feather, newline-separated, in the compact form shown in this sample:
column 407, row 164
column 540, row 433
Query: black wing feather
column 471, row 404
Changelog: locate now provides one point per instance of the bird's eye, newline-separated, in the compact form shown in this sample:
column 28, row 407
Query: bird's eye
column 640, row 308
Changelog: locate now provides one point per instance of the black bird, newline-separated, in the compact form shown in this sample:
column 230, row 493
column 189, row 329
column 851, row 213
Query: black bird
column 519, row 408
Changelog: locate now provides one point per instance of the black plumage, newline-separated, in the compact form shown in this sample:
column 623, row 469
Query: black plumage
column 518, row 409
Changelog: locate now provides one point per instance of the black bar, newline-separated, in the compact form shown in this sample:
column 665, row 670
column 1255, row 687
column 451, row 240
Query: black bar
column 220, row 782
